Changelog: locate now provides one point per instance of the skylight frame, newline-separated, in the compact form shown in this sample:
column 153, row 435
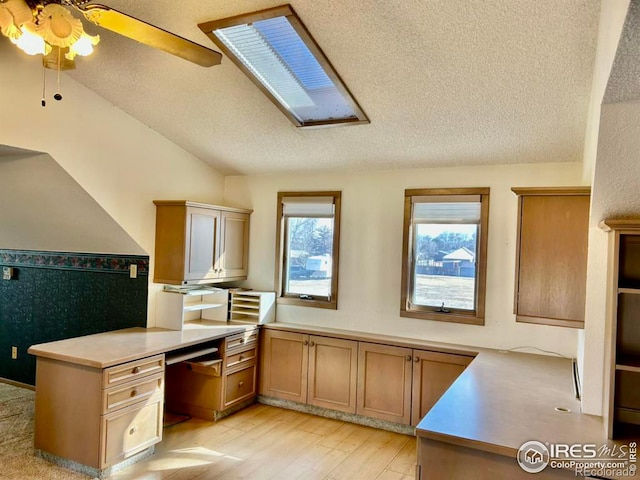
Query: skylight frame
column 287, row 11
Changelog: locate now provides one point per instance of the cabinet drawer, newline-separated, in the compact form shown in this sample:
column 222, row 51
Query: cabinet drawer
column 240, row 358
column 212, row 368
column 127, row 394
column 131, row 430
column 130, row 371
column 240, row 385
column 241, row 339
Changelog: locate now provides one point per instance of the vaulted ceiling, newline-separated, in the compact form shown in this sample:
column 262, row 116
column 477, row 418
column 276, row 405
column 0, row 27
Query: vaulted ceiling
column 444, row 82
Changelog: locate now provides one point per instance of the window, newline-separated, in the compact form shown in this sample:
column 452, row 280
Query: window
column 307, row 241
column 444, row 254
column 275, row 50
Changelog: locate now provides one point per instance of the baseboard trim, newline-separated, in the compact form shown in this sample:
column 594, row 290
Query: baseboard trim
column 17, row 384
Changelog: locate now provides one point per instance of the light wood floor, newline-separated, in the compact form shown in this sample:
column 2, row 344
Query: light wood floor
column 264, row 442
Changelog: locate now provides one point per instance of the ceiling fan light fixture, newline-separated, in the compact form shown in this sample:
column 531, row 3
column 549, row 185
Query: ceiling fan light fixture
column 30, row 42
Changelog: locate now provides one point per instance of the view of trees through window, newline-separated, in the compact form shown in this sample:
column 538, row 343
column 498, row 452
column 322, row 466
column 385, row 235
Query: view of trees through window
column 445, row 265
column 309, row 256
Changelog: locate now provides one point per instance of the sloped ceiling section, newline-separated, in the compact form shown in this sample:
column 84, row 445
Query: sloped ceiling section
column 624, row 82
column 42, row 208
column 465, row 82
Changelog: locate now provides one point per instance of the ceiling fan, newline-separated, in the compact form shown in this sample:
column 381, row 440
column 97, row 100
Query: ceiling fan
column 47, row 27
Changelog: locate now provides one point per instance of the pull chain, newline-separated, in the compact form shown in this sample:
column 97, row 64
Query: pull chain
column 58, row 95
column 43, row 102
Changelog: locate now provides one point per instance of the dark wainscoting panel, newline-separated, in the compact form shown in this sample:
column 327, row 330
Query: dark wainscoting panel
column 55, row 295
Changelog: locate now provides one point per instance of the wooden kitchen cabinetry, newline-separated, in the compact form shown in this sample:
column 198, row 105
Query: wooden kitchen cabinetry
column 97, row 417
column 211, row 387
column 200, row 243
column 624, row 324
column 551, row 255
column 178, row 307
column 393, row 383
column 401, row 385
column 309, row 369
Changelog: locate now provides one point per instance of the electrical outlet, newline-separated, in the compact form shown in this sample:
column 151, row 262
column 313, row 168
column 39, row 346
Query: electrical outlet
column 14, row 353
column 133, row 271
column 7, row 273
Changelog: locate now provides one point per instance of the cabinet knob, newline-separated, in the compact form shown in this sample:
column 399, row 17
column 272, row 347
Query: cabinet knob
column 134, row 392
column 241, row 357
column 133, row 430
column 240, row 384
column 408, row 357
column 242, row 340
column 306, row 342
column 312, row 344
column 416, row 359
column 135, row 370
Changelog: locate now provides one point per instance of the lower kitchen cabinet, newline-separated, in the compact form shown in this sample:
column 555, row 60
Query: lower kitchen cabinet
column 384, row 382
column 387, row 382
column 433, row 374
column 309, row 369
column 209, row 387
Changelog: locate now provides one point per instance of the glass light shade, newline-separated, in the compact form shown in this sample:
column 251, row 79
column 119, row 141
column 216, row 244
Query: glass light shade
column 84, row 46
column 31, row 43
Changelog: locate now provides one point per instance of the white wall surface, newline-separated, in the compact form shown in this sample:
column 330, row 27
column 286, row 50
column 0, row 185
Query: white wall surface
column 590, row 340
column 371, row 250
column 120, row 162
column 43, row 208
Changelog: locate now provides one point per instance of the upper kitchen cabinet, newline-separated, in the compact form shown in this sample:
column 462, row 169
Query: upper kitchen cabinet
column 551, row 255
column 200, row 243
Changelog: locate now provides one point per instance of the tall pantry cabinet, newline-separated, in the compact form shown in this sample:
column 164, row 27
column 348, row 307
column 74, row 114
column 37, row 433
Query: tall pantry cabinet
column 624, row 328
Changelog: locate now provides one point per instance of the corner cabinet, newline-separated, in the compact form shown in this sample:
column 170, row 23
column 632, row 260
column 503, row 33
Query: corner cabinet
column 551, row 257
column 200, row 243
column 624, row 329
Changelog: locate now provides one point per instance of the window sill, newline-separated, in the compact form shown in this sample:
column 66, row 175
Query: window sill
column 443, row 317
column 333, row 305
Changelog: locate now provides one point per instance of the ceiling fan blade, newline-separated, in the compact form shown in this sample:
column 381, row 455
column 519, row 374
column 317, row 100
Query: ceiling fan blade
column 151, row 35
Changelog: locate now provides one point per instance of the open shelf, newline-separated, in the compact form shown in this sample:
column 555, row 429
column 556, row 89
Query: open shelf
column 193, row 307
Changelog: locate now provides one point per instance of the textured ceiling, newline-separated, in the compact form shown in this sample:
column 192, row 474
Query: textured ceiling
column 623, row 82
column 447, row 82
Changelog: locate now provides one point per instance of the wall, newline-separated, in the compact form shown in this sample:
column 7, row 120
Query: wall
column 47, row 210
column 120, row 162
column 56, row 295
column 371, row 246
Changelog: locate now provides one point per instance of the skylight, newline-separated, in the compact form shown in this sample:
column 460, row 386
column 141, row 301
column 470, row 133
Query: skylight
column 278, row 54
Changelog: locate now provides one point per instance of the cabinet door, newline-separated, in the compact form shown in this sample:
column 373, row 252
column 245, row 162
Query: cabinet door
column 384, row 382
column 433, row 374
column 284, row 365
column 203, row 227
column 333, row 366
column 234, row 245
column 552, row 259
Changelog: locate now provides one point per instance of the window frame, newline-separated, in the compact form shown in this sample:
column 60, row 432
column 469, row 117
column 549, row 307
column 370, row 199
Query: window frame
column 471, row 317
column 294, row 299
column 287, row 11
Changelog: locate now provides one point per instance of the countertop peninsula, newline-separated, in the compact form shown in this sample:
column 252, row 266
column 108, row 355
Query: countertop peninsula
column 103, row 350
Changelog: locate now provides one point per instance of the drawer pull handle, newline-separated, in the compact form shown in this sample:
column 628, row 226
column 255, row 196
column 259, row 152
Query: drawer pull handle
column 135, row 370
column 240, row 384
column 134, row 393
column 242, row 340
column 133, row 430
column 408, row 357
column 240, row 358
column 416, row 359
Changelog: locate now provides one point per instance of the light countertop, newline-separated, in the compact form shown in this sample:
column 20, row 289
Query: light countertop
column 104, row 350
